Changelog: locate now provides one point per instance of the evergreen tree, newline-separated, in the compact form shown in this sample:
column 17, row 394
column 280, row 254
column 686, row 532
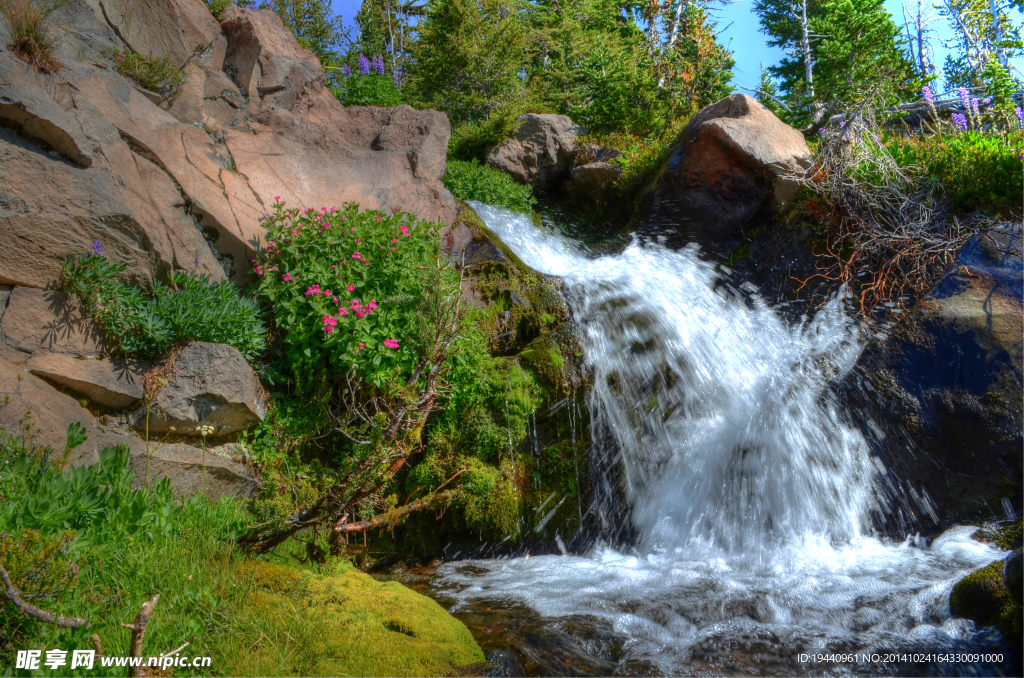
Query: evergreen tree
column 314, row 25
column 857, row 52
column 467, row 58
column 863, row 54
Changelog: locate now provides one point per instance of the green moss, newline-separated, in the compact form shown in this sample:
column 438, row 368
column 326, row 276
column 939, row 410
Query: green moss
column 349, row 624
column 983, row 598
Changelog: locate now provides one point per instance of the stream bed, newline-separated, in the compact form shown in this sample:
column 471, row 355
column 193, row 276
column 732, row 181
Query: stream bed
column 751, row 501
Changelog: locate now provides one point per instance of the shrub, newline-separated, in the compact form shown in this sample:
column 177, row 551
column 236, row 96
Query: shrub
column 473, row 181
column 155, row 74
column 30, row 36
column 370, row 87
column 187, row 307
column 975, row 169
column 345, row 288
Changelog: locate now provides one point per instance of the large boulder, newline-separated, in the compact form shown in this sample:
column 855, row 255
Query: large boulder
column 34, row 410
column 45, row 321
column 541, row 151
column 940, row 399
column 186, row 183
column 208, row 385
column 116, row 383
column 733, row 163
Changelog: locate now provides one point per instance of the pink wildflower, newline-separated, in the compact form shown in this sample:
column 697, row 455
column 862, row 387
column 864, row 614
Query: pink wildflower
column 287, row 277
column 351, row 287
column 405, row 230
column 357, row 255
column 391, row 343
column 313, row 289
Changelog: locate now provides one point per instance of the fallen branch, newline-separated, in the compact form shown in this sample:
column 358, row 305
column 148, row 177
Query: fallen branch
column 391, row 516
column 32, row 611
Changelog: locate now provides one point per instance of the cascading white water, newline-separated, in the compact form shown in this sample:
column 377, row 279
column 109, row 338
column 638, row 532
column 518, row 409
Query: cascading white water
column 751, row 498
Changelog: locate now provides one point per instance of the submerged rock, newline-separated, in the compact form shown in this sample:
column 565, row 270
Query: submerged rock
column 731, row 165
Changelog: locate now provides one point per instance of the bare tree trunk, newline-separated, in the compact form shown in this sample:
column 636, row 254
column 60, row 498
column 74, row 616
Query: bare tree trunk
column 805, row 29
column 1000, row 55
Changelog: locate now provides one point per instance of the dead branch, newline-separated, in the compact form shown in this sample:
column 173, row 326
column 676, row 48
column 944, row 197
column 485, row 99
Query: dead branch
column 391, row 517
column 138, row 630
column 31, row 610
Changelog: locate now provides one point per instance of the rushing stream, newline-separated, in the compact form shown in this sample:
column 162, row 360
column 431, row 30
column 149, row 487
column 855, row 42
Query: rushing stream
column 750, row 499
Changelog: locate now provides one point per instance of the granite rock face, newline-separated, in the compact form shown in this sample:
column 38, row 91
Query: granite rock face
column 208, row 385
column 541, row 151
column 733, row 163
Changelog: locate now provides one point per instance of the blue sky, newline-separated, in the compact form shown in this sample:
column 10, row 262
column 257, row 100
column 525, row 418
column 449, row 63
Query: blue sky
column 743, row 36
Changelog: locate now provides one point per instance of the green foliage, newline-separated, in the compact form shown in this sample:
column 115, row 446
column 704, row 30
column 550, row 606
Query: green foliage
column 29, row 33
column 975, row 170
column 366, row 90
column 473, row 181
column 484, row 59
column 155, row 74
column 859, row 56
column 641, row 157
column 999, row 85
column 96, row 502
column 345, row 287
column 187, row 307
column 88, row 546
column 314, row 24
column 468, row 57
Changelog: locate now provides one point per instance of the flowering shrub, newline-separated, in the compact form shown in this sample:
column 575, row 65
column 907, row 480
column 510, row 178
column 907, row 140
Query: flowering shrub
column 369, row 87
column 156, row 75
column 344, row 286
column 975, row 170
column 473, row 181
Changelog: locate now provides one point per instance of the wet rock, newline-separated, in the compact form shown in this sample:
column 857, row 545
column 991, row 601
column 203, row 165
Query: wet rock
column 503, row 664
column 47, row 321
column 541, row 151
column 1013, row 574
column 729, row 167
column 113, row 383
column 207, row 385
column 939, row 400
column 983, row 598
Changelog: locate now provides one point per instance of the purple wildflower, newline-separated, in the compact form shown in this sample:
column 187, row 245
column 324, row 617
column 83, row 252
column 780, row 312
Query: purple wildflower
column 96, row 247
column 960, row 121
column 986, row 100
column 929, row 96
column 346, row 71
column 378, row 64
column 252, row 6
column 395, row 79
column 271, row 5
column 964, row 95
column 974, row 107
column 1020, row 116
column 197, row 260
column 364, row 65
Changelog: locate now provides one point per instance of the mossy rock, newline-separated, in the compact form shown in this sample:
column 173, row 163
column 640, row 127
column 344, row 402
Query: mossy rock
column 983, row 598
column 350, row 624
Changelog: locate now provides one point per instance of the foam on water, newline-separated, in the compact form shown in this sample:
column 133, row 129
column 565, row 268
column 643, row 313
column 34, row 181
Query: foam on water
column 751, row 496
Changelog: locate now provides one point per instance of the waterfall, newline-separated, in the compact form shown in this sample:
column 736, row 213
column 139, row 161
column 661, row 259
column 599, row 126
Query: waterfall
column 751, row 497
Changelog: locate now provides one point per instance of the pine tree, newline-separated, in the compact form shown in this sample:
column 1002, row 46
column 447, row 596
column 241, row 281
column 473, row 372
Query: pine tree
column 467, row 58
column 315, row 26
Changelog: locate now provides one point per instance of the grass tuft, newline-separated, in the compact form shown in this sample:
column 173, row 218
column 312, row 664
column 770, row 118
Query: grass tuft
column 30, row 35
